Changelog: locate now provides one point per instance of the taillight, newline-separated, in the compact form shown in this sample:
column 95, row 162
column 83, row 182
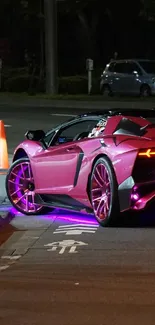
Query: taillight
column 147, row 153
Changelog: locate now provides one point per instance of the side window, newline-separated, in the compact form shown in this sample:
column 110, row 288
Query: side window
column 69, row 133
column 131, row 67
column 119, row 67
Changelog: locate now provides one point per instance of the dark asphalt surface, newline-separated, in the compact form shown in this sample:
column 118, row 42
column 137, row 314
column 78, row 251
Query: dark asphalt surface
column 62, row 268
column 109, row 280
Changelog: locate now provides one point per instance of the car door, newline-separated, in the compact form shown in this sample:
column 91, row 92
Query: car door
column 131, row 78
column 56, row 168
column 118, row 78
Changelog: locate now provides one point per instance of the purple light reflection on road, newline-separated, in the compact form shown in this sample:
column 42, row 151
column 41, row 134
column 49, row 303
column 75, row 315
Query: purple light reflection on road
column 80, row 219
column 5, row 209
column 15, row 212
column 71, row 217
column 60, row 216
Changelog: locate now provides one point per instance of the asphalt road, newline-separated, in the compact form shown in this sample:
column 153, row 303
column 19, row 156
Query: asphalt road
column 62, row 268
column 65, row 269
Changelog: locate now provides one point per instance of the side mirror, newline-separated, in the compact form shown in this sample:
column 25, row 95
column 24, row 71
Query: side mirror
column 36, row 135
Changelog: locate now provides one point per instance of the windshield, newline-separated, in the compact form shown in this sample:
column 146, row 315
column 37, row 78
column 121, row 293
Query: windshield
column 148, row 66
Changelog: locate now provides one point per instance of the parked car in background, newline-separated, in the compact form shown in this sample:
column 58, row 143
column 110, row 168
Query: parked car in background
column 128, row 77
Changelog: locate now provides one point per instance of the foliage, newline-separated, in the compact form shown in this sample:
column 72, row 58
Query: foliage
column 18, row 84
column 148, row 9
column 73, row 85
column 86, row 28
column 67, row 85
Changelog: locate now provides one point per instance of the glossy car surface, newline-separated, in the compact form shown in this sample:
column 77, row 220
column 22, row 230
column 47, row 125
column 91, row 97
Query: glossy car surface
column 104, row 175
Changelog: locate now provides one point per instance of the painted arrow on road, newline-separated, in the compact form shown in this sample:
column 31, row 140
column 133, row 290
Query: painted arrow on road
column 76, row 229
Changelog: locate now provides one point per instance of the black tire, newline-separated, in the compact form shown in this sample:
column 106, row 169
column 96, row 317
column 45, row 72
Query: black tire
column 8, row 187
column 145, row 91
column 106, row 91
column 114, row 210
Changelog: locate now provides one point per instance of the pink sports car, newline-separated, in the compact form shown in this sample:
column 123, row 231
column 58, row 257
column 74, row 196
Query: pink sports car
column 101, row 162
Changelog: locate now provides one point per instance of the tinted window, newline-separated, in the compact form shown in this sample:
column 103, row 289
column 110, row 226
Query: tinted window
column 69, row 133
column 148, row 66
column 130, row 67
column 119, row 67
column 79, row 127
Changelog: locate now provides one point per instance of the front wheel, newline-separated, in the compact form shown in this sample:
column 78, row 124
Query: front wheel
column 20, row 187
column 104, row 193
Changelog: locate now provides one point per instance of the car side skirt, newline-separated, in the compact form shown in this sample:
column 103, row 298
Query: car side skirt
column 61, row 201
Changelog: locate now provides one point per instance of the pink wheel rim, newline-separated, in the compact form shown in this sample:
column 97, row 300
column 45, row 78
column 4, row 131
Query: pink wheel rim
column 21, row 188
column 101, row 192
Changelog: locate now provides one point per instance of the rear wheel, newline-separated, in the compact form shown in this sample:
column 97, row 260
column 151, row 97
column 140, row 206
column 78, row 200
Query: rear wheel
column 20, row 187
column 104, row 193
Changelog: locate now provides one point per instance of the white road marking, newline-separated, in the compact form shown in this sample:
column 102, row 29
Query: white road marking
column 73, row 249
column 76, row 229
column 4, row 267
column 8, row 126
column 74, row 232
column 75, row 225
column 64, row 244
column 10, row 260
column 63, row 115
column 11, row 257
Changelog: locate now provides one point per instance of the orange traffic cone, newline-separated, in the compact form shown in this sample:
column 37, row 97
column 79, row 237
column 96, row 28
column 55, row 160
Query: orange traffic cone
column 4, row 159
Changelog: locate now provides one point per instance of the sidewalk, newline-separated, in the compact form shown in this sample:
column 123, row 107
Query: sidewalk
column 36, row 102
